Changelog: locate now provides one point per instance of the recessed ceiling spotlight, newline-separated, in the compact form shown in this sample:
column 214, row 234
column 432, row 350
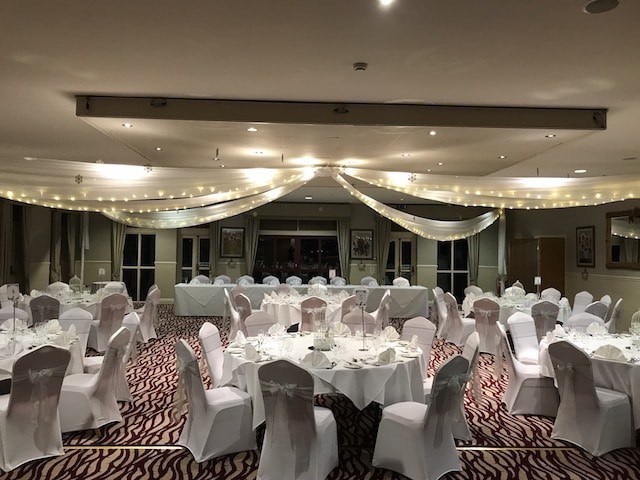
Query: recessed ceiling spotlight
column 386, row 3
column 405, row 154
column 600, row 6
column 252, row 129
column 127, row 125
column 428, row 169
column 29, row 159
column 580, row 170
column 550, row 135
column 222, row 165
column 440, row 163
column 432, row 133
column 502, row 157
column 258, row 152
column 158, row 149
column 308, row 197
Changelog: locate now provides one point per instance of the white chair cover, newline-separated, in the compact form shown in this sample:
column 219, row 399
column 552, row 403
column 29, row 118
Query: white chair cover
column 149, row 315
column 218, row 420
column 284, row 288
column 381, row 314
column 8, row 311
column 271, row 280
column 598, row 308
column 545, row 315
column 243, row 305
column 245, row 280
column 348, row 304
column 473, row 289
column 293, row 280
column 440, row 312
column 580, row 321
column 458, row 328
column 75, row 284
column 300, row 440
column 318, row 281
column 470, row 351
column 29, row 423
column 115, row 287
column 211, row 347
column 487, row 314
column 606, row 298
column 580, row 301
column 525, row 338
column 222, row 279
column 231, row 312
column 58, row 288
column 615, row 313
column 311, row 309
column 112, row 309
column 425, row 331
column 551, row 294
column 258, row 322
column 401, row 282
column 338, row 282
column 200, row 280
column 369, row 282
column 88, row 400
column 82, row 320
column 597, row 419
column 44, row 308
column 518, row 284
column 416, row 439
column 353, row 320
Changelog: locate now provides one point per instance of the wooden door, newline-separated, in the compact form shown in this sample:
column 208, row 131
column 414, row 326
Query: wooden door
column 523, row 262
column 551, row 263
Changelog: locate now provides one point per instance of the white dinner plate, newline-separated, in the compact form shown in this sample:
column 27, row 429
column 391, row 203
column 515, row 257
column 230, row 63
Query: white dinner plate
column 353, row 366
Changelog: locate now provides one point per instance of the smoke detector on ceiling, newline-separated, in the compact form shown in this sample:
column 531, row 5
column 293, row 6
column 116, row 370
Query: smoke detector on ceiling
column 600, row 6
column 360, row 66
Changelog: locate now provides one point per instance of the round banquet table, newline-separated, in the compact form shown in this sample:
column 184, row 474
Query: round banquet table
column 354, row 373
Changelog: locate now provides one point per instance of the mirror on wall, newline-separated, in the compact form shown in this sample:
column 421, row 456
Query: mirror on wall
column 623, row 239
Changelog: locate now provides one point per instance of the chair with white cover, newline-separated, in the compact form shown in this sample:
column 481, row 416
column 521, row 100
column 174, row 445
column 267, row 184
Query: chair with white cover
column 200, row 280
column 58, row 288
column 284, row 288
column 29, row 419
column 606, row 298
column 243, row 305
column 487, row 313
column 347, row 305
column 258, row 322
column 545, row 316
column 415, row 439
column 440, row 312
column 598, row 308
column 528, row 391
column 580, row 301
column 338, row 282
column 551, row 294
column 112, row 309
column 301, row 440
column 381, row 314
column 518, row 284
column 88, row 400
column 311, row 308
column 211, row 347
column 580, row 321
column 148, row 315
column 473, row 289
column 525, row 338
column 354, row 318
column 401, row 282
column 82, row 320
column 7, row 313
column 294, row 280
column 115, row 287
column 93, row 364
column 615, row 313
column 424, row 330
column 270, row 280
column 235, row 319
column 318, row 280
column 222, row 279
column 218, row 419
column 245, row 280
column 75, row 284
column 458, row 328
column 596, row 419
column 369, row 282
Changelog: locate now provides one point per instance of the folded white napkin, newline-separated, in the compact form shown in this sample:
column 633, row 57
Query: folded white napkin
column 391, row 333
column 413, row 344
column 341, row 330
column 596, row 329
column 62, row 339
column 250, row 353
column 72, row 331
column 7, row 325
column 388, row 355
column 564, row 302
column 558, row 331
column 11, row 349
column 550, row 337
column 240, row 338
column 276, row 329
column 610, row 352
column 316, row 359
column 53, row 326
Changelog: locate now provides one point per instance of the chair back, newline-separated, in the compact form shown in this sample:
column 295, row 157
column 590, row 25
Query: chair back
column 606, row 299
column 580, row 301
column 131, row 322
column 369, row 282
column 293, row 280
column 505, row 351
column 598, row 308
column 348, row 304
column 551, row 294
column 36, row 381
column 150, row 311
column 75, row 284
column 615, row 315
column 112, row 366
column 221, row 280
column 58, row 288
column 545, row 316
column 353, row 320
column 310, row 309
column 580, row 321
column 82, row 320
column 258, row 322
column 440, row 311
column 115, row 287
column 424, row 330
column 190, row 387
column 112, row 310
column 271, row 280
column 487, row 314
column 243, row 305
column 382, row 312
column 518, row 284
column 245, row 280
column 235, row 320
column 523, row 332
column 284, row 288
column 318, row 280
column 471, row 350
column 338, row 282
column 211, row 347
column 473, row 289
column 7, row 313
column 44, row 308
column 401, row 282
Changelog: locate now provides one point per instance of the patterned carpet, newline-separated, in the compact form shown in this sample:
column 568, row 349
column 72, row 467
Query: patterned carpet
column 504, row 446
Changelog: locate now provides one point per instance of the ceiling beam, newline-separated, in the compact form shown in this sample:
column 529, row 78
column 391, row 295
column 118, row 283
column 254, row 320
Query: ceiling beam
column 326, row 113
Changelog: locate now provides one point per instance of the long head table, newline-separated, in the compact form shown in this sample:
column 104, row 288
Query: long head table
column 208, row 300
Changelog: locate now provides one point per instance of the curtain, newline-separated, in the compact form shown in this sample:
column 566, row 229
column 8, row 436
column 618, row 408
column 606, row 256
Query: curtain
column 473, row 258
column 381, row 243
column 118, row 235
column 629, row 249
column 214, row 247
column 502, row 245
column 5, row 241
column 55, row 268
column 343, row 225
column 69, row 241
column 179, row 255
column 251, row 232
column 22, row 245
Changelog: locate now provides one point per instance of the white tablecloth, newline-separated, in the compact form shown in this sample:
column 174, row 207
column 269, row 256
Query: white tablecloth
column 385, row 384
column 619, row 376
column 208, row 300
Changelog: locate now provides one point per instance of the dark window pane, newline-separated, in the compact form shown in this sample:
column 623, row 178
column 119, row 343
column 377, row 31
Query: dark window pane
column 130, row 255
column 444, row 281
column 204, row 250
column 148, row 250
column 329, row 253
column 147, row 278
column 187, row 252
column 444, row 256
column 186, row 275
column 405, row 254
column 309, row 253
column 391, row 259
column 460, row 253
column 130, row 279
column 460, row 282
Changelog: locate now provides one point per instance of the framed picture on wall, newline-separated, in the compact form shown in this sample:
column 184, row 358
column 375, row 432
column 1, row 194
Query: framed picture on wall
column 231, row 242
column 362, row 244
column 585, row 246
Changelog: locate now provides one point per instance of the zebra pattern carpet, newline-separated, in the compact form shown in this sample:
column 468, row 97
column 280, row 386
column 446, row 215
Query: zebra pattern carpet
column 143, row 447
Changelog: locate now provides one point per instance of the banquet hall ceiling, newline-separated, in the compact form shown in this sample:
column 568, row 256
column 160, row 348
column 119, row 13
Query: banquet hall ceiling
column 542, row 53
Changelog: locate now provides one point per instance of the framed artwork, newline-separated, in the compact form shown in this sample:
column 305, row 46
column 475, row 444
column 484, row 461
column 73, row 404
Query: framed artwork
column 231, row 242
column 362, row 244
column 585, row 247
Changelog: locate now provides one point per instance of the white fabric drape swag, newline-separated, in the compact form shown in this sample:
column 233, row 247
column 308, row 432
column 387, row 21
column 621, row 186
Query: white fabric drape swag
column 55, row 269
column 343, row 225
column 252, row 229
column 118, row 236
column 381, row 241
column 473, row 257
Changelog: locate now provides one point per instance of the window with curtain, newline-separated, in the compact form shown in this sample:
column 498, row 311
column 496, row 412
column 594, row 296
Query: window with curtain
column 453, row 269
column 139, row 264
column 195, row 257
